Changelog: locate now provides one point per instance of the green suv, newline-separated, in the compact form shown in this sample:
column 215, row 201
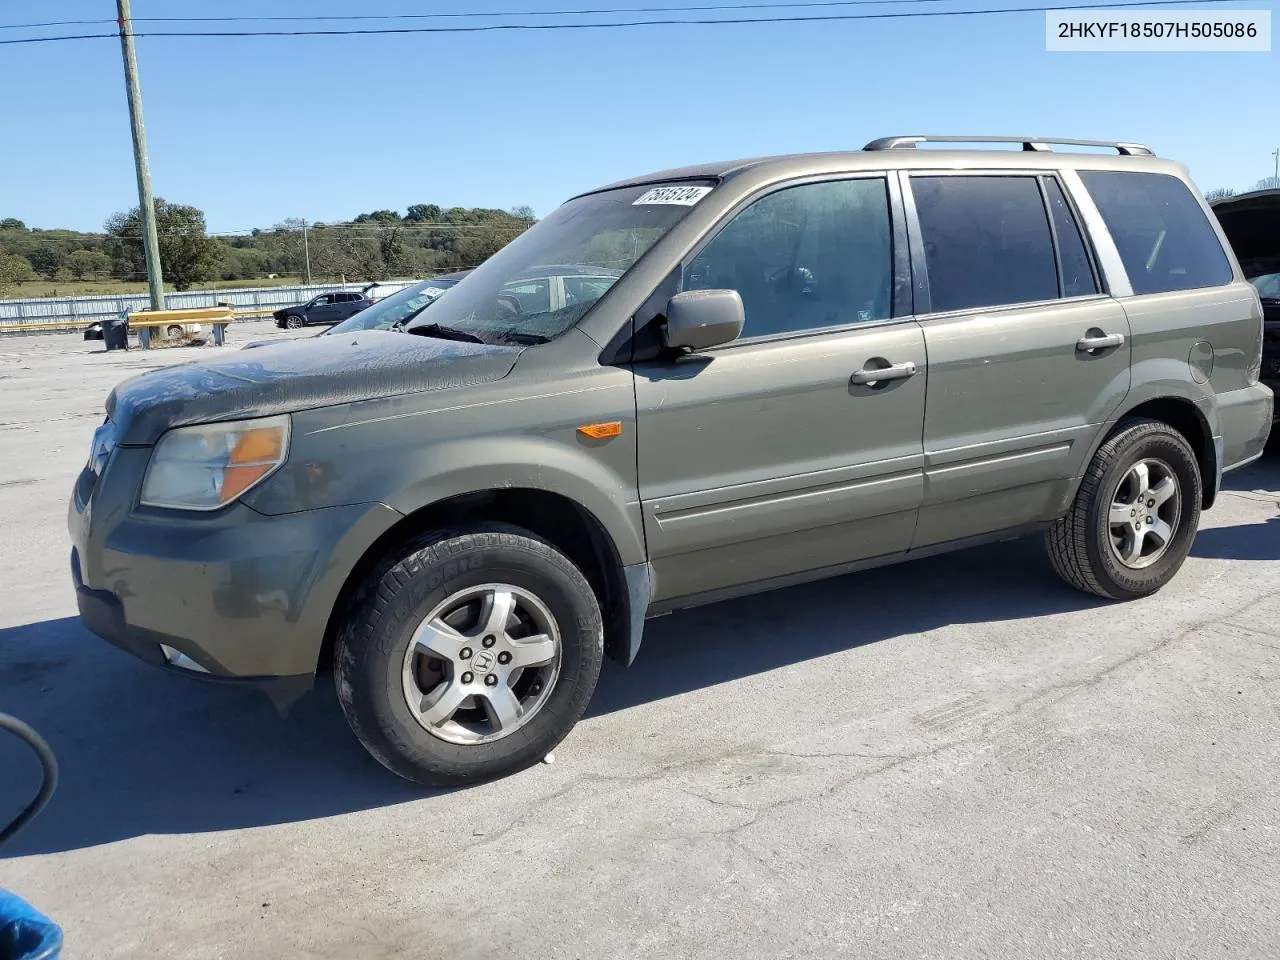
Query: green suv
column 745, row 375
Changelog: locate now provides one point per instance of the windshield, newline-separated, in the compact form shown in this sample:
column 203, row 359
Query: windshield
column 400, row 307
column 539, row 285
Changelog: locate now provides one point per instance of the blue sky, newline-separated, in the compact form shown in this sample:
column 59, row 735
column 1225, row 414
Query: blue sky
column 254, row 130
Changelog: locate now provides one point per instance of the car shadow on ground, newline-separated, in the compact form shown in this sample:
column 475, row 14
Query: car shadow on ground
column 144, row 753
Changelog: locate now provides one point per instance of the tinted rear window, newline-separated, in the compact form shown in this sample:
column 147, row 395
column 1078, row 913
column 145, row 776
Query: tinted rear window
column 986, row 241
column 1165, row 241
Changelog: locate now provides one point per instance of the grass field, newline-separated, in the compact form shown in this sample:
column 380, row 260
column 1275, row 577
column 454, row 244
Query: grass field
column 90, row 288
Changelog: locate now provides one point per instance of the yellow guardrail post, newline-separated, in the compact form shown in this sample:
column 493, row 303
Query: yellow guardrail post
column 148, row 321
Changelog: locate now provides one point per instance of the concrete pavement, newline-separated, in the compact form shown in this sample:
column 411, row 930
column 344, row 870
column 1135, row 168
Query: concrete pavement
column 959, row 757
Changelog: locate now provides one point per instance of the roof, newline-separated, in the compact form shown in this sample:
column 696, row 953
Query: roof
column 801, row 164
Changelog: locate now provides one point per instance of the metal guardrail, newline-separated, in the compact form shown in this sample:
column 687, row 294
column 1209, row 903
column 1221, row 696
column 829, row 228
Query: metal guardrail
column 48, row 314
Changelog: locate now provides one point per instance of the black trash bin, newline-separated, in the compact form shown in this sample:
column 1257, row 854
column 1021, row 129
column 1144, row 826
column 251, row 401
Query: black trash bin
column 115, row 332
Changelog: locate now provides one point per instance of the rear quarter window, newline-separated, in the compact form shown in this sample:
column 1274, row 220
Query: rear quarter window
column 1164, row 238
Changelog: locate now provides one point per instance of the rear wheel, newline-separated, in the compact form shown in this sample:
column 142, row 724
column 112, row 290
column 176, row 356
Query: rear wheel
column 1134, row 517
column 469, row 657
column 173, row 332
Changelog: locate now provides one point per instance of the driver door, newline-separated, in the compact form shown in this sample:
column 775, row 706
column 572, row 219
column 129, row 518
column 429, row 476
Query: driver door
column 322, row 310
column 777, row 456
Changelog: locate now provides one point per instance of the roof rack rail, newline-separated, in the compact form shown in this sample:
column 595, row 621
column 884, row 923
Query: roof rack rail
column 1036, row 144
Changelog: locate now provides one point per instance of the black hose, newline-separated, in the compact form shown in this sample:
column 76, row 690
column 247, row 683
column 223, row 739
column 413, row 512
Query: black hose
column 49, row 765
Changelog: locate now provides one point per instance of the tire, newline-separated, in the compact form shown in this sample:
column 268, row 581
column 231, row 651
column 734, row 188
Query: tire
column 173, row 332
column 378, row 667
column 294, row 322
column 1093, row 546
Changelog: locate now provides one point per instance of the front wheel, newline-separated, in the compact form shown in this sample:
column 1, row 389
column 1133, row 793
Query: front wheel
column 293, row 322
column 1134, row 517
column 469, row 656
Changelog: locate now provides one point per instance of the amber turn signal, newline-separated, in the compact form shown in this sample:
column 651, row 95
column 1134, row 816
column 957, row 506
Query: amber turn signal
column 256, row 454
column 601, row 431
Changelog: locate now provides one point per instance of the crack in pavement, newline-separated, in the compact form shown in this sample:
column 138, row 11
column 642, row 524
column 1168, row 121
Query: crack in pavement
column 1045, row 697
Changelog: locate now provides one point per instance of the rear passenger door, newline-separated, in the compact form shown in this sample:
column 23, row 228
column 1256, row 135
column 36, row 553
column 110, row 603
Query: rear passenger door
column 783, row 452
column 1028, row 355
column 349, row 305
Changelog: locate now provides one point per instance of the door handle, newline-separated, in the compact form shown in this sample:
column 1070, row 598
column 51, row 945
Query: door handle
column 1101, row 342
column 893, row 371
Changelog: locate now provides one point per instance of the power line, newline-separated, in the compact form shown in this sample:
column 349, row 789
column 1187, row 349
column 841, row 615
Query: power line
column 468, row 14
column 624, row 24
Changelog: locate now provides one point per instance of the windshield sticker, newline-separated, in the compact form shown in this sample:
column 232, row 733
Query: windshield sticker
column 677, row 196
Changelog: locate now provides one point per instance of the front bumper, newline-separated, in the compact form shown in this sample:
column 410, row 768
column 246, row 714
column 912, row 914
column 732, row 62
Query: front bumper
column 236, row 595
column 102, row 614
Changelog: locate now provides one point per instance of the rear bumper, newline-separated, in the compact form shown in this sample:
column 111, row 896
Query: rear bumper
column 1274, row 387
column 1244, row 420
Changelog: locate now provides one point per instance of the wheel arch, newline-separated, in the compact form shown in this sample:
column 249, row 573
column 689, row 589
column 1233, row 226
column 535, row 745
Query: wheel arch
column 561, row 521
column 1185, row 416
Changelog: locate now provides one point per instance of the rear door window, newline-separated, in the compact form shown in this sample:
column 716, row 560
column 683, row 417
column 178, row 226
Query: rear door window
column 986, row 241
column 1164, row 238
column 1077, row 272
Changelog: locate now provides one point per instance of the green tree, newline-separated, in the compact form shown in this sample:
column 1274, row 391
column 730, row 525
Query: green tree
column 187, row 253
column 45, row 258
column 239, row 263
column 423, row 213
column 378, row 216
column 12, row 223
column 13, row 271
column 88, row 264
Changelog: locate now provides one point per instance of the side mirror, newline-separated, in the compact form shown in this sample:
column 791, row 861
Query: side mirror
column 698, row 319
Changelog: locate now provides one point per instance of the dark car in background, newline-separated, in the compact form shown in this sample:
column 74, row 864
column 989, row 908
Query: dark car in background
column 1251, row 222
column 391, row 312
column 327, row 308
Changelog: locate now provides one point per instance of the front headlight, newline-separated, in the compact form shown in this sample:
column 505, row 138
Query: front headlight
column 206, row 467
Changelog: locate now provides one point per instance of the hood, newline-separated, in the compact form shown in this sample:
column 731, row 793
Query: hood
column 299, row 375
column 1251, row 222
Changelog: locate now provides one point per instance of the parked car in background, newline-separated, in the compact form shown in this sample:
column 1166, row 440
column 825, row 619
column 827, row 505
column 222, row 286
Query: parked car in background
column 327, row 308
column 395, row 310
column 1251, row 222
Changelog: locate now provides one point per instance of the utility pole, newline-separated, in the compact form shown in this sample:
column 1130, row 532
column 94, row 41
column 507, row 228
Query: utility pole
column 306, row 250
column 146, row 204
column 1276, row 153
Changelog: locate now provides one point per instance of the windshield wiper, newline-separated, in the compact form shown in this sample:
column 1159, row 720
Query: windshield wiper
column 444, row 333
column 528, row 339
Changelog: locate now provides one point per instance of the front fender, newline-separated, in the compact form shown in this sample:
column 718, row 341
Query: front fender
column 533, row 463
